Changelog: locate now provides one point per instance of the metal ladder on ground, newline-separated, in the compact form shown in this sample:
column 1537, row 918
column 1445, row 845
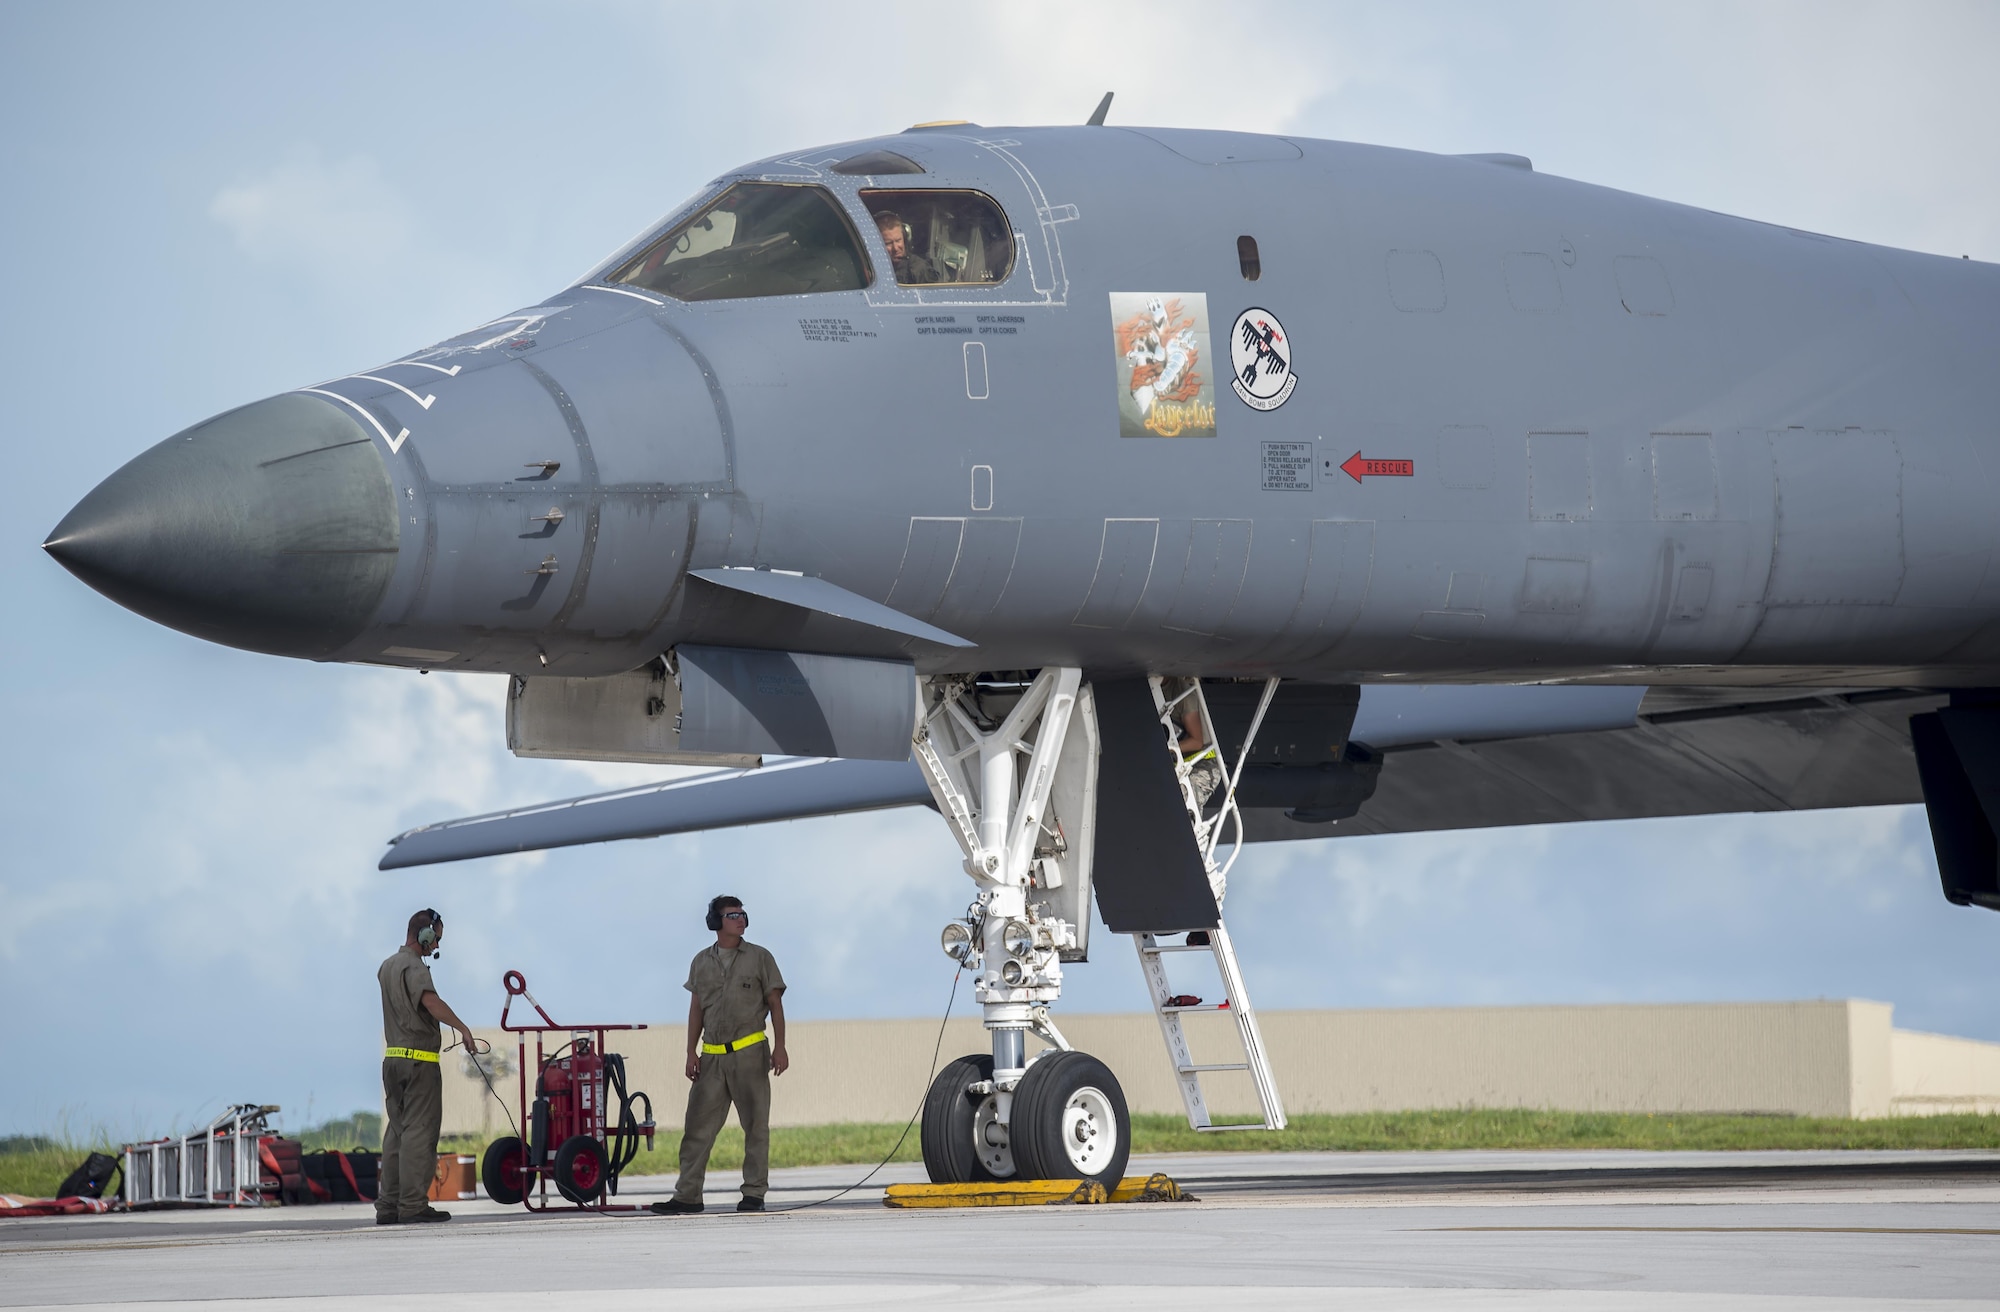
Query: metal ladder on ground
column 1173, row 707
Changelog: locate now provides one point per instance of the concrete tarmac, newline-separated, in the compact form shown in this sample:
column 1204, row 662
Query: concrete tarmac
column 1403, row 1232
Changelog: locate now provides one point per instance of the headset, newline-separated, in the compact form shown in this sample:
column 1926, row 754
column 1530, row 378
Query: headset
column 427, row 937
column 715, row 911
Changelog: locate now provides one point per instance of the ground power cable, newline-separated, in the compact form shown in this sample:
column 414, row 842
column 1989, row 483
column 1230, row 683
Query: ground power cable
column 480, row 1066
column 937, row 1049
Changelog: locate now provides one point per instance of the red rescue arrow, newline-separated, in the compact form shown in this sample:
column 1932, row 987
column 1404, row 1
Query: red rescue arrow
column 1357, row 466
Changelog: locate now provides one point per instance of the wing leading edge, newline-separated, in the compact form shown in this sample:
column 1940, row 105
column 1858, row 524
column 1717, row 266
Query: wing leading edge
column 783, row 790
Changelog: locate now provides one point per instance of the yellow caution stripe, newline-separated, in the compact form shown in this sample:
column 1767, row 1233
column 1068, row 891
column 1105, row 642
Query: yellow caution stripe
column 1035, row 1193
column 414, row 1054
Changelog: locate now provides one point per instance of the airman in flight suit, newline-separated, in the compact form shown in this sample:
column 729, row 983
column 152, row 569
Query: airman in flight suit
column 734, row 985
column 412, row 1083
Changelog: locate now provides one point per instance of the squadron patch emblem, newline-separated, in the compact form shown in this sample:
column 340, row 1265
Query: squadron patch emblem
column 1262, row 358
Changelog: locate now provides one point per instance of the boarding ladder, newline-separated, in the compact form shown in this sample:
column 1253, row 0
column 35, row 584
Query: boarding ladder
column 1173, row 703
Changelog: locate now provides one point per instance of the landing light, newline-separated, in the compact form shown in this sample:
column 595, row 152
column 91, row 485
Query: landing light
column 1018, row 939
column 956, row 940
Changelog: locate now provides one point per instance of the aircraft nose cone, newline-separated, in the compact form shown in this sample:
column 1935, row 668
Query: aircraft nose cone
column 272, row 528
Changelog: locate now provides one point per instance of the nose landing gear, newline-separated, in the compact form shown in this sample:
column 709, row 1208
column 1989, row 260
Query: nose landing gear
column 1012, row 764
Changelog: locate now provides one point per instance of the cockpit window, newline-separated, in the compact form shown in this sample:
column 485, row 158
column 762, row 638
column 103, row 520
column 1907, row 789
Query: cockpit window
column 755, row 239
column 943, row 236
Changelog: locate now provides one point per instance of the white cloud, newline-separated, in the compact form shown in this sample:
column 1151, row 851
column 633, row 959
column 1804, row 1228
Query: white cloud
column 821, row 75
column 1178, row 64
column 222, row 819
column 327, row 217
column 402, row 264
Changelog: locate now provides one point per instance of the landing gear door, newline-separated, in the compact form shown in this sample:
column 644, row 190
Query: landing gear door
column 1069, row 832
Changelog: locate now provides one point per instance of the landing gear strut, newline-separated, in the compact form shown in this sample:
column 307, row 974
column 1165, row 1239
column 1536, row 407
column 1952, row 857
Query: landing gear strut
column 995, row 753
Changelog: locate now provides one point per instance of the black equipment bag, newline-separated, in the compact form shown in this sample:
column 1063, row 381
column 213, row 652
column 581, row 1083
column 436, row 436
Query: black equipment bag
column 93, row 1178
column 330, row 1167
column 367, row 1167
column 316, row 1168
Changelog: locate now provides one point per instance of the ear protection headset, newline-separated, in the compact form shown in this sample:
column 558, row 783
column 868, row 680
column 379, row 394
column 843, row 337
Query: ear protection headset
column 427, row 937
column 715, row 909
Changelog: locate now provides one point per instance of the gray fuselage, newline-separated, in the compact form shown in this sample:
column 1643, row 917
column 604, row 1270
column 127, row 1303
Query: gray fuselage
column 1645, row 441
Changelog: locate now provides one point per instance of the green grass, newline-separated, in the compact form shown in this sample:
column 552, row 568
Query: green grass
column 36, row 1171
column 361, row 1130
column 34, row 1165
column 829, row 1145
column 1492, row 1128
column 791, row 1145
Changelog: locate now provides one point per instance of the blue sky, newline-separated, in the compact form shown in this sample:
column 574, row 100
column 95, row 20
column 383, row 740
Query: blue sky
column 209, row 203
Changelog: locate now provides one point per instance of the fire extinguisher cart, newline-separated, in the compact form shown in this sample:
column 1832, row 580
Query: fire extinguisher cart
column 581, row 1121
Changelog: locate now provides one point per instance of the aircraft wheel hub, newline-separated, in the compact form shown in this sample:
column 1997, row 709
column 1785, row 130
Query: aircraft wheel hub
column 1089, row 1131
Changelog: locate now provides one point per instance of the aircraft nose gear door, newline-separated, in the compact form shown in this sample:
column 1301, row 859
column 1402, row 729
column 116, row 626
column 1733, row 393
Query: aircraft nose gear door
column 1012, row 764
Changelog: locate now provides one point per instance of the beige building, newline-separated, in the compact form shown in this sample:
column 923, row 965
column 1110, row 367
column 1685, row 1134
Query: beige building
column 1826, row 1058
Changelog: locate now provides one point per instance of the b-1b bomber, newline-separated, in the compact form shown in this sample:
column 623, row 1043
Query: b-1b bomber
column 1129, row 495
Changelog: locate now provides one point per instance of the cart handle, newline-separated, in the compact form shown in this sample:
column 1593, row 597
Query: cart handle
column 516, row 985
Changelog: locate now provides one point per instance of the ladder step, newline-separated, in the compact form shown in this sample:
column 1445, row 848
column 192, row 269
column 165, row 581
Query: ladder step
column 1225, row 1066
column 1218, row 1129
column 1206, row 1006
column 1158, row 948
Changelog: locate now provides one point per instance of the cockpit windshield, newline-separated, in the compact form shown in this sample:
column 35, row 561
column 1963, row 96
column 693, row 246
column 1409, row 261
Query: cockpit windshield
column 755, row 239
column 942, row 236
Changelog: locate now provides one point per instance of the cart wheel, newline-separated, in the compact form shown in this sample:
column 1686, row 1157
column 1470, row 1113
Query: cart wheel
column 500, row 1171
column 580, row 1169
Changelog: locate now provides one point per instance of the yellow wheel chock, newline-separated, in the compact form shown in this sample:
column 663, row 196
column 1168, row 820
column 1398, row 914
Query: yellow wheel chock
column 1035, row 1193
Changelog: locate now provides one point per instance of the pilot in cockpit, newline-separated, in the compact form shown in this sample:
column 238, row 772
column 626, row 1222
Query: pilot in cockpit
column 910, row 267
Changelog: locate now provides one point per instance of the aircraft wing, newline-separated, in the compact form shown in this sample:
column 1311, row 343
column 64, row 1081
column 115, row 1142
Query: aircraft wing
column 1451, row 758
column 1688, row 751
column 783, row 790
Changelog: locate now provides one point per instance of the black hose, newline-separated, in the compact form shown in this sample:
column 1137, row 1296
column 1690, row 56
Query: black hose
column 505, row 1110
column 624, row 1140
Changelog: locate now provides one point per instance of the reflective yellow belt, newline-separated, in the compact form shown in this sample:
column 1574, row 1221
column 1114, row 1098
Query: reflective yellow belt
column 717, row 1049
column 414, row 1054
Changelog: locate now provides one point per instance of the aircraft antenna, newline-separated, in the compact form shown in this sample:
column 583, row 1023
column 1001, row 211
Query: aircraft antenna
column 1096, row 119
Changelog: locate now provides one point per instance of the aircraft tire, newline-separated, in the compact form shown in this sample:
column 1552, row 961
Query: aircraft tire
column 1070, row 1121
column 500, row 1171
column 952, row 1121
